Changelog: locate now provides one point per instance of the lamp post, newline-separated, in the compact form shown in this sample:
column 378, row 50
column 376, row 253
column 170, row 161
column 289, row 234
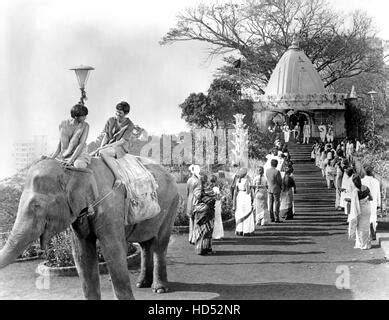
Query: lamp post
column 82, row 73
column 372, row 94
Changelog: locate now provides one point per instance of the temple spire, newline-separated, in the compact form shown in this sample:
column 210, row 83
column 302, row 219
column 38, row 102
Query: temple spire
column 295, row 43
column 353, row 93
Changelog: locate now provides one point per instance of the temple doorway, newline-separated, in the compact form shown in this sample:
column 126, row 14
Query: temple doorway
column 299, row 118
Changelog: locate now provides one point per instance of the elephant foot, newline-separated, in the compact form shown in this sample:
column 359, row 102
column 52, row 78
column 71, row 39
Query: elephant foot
column 159, row 288
column 144, row 283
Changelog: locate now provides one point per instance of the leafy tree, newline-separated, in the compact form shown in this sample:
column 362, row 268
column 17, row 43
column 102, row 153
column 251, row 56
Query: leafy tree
column 359, row 114
column 259, row 143
column 261, row 31
column 216, row 110
column 196, row 110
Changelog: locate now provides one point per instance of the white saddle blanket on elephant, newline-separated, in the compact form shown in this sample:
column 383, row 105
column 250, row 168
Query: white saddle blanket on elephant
column 141, row 199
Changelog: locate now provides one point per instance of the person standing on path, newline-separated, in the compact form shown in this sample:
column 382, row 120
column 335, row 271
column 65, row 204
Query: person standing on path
column 359, row 218
column 296, row 132
column 330, row 133
column 204, row 214
column 374, row 185
column 306, row 132
column 218, row 231
column 191, row 184
column 260, row 198
column 288, row 189
column 244, row 218
column 347, row 188
column 338, row 182
column 274, row 184
column 322, row 132
column 286, row 130
column 349, row 150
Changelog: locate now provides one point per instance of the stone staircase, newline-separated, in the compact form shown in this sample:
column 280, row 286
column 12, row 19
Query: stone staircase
column 312, row 196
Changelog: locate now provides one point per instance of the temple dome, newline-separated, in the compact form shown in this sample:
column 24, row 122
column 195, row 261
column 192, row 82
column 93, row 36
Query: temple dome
column 294, row 74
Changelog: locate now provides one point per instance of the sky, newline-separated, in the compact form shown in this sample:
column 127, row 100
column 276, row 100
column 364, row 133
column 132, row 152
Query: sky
column 42, row 39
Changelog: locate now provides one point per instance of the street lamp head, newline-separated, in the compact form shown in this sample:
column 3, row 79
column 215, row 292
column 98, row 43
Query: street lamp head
column 82, row 73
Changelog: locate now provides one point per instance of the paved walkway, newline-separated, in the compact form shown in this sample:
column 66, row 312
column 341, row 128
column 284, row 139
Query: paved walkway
column 299, row 259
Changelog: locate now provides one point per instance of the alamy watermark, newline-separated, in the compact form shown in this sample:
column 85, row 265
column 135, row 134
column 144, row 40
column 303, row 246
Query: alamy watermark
column 343, row 280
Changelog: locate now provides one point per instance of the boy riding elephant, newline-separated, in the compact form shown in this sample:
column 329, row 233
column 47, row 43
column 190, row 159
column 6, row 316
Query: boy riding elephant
column 117, row 133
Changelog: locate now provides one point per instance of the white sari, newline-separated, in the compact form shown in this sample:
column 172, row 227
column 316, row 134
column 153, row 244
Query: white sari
column 359, row 221
column 244, row 217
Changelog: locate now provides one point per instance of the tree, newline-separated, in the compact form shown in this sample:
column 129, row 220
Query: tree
column 217, row 109
column 360, row 114
column 196, row 110
column 261, row 31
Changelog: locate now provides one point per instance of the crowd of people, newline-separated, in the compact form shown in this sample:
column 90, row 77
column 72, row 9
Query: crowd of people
column 302, row 133
column 358, row 194
column 259, row 200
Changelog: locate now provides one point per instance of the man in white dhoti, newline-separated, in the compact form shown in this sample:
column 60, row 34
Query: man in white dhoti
column 374, row 186
column 322, row 132
column 306, row 132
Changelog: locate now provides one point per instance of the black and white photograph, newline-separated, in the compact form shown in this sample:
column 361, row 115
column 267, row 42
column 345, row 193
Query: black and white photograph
column 173, row 151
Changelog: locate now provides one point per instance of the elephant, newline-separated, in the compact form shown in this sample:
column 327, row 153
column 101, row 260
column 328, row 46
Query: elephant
column 52, row 200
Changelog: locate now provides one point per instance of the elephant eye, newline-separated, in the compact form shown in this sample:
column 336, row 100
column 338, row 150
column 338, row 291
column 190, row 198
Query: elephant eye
column 34, row 205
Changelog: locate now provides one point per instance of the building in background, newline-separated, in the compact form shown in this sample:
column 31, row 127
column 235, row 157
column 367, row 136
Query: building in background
column 26, row 152
column 295, row 94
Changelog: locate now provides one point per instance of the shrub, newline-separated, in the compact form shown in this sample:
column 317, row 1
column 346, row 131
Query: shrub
column 379, row 162
column 181, row 219
column 59, row 252
column 226, row 200
column 32, row 251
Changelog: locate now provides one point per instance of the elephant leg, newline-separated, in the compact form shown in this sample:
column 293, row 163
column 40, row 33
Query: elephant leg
column 160, row 283
column 114, row 246
column 145, row 278
column 85, row 257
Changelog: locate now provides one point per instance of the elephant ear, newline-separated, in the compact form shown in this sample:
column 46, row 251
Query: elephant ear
column 82, row 191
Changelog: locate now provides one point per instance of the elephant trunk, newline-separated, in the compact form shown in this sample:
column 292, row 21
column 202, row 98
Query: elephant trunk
column 9, row 253
column 19, row 239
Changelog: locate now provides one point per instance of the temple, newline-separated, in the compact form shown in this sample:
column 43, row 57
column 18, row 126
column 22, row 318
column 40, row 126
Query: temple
column 295, row 93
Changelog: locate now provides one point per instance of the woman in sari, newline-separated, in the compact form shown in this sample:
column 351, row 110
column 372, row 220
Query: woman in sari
column 338, row 183
column 288, row 188
column 260, row 198
column 317, row 155
column 244, row 218
column 359, row 218
column 204, row 213
column 191, row 184
column 218, row 231
column 323, row 157
column 346, row 190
